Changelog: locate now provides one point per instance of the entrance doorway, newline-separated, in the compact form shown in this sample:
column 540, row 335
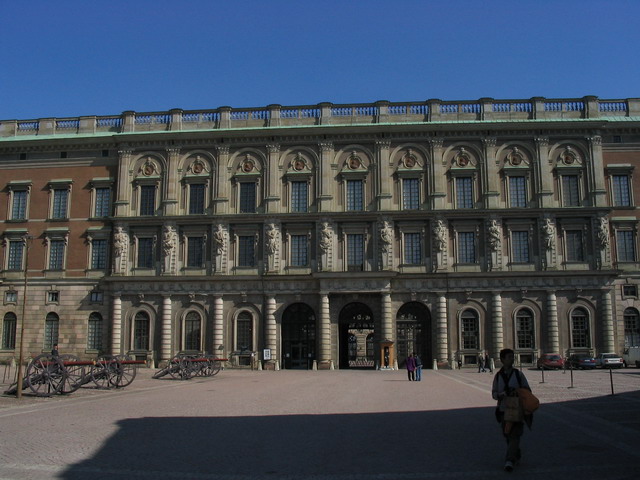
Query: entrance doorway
column 413, row 327
column 356, row 336
column 298, row 336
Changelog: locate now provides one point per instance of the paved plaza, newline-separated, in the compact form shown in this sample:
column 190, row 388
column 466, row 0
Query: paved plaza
column 322, row 425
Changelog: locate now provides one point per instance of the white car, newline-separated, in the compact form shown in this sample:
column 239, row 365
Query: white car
column 609, row 360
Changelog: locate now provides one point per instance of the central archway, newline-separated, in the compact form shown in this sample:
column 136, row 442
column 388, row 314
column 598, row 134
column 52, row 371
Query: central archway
column 356, row 336
column 413, row 327
column 298, row 336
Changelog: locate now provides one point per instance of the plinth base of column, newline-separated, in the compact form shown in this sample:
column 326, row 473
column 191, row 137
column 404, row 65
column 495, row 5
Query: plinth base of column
column 325, row 365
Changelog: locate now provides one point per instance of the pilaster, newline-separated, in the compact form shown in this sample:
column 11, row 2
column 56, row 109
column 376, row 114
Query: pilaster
column 437, row 175
column 490, row 177
column 383, row 176
column 496, row 324
column 608, row 343
column 222, row 187
column 543, row 174
column 325, row 329
column 166, row 334
column 442, row 329
column 123, row 196
column 272, row 197
column 553, row 344
column 325, row 198
column 595, row 169
column 116, row 324
column 218, row 326
column 170, row 202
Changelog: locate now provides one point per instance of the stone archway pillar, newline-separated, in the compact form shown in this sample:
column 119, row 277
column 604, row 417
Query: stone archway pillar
column 218, row 326
column 166, row 334
column 498, row 332
column 552, row 323
column 270, row 327
column 442, row 330
column 387, row 321
column 325, row 329
column 607, row 322
column 116, row 324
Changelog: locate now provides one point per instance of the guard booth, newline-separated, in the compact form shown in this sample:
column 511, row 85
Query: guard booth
column 387, row 355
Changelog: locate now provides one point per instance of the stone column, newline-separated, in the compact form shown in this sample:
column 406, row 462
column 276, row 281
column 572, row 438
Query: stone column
column 384, row 176
column 543, row 177
column 325, row 329
column 595, row 169
column 386, row 332
column 437, row 177
column 123, row 185
column 497, row 326
column 270, row 327
column 222, row 184
column 607, row 322
column 325, row 177
column 272, row 171
column 553, row 342
column 116, row 324
column 171, row 178
column 442, row 329
column 166, row 334
column 218, row 326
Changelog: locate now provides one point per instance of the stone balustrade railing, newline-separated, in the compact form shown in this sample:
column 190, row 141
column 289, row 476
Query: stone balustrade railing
column 484, row 109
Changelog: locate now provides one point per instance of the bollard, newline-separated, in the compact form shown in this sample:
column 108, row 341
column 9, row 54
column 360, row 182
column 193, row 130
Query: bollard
column 611, row 378
column 331, row 367
column 259, row 365
column 314, row 365
column 542, row 376
column 435, row 364
column 395, row 364
column 571, row 372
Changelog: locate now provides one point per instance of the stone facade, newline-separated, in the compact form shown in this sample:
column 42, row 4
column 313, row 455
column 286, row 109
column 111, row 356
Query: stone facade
column 308, row 235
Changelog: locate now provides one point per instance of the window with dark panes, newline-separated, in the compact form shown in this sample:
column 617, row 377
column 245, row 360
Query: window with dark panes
column 244, row 328
column 103, row 202
column 580, row 337
column 99, row 254
column 524, row 329
column 196, row 198
column 412, row 248
column 19, row 206
column 464, row 192
column 247, row 197
column 141, row 329
column 51, row 326
column 470, row 330
column 575, row 248
column 94, row 332
column 570, row 191
column 520, row 246
column 621, row 191
column 355, row 252
column 192, row 329
column 60, row 203
column 517, row 192
column 195, row 252
column 246, row 251
column 355, row 195
column 56, row 254
column 625, row 246
column 9, row 324
column 145, row 253
column 299, row 196
column 466, row 247
column 410, row 193
column 299, row 251
column 16, row 250
column 147, row 200
column 631, row 327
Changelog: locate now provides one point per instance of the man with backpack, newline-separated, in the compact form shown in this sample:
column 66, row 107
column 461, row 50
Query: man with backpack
column 509, row 411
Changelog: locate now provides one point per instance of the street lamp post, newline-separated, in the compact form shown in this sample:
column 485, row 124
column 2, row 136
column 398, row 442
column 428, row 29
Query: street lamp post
column 26, row 239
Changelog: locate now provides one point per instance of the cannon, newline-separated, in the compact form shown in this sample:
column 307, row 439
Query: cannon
column 187, row 365
column 48, row 375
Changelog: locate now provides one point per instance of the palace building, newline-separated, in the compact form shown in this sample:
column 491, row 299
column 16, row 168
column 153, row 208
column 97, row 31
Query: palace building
column 343, row 236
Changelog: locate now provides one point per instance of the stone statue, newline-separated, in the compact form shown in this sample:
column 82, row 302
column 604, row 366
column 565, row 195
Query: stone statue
column 120, row 242
column 495, row 236
column 602, row 233
column 169, row 239
column 218, row 239
column 272, row 240
column 325, row 237
column 386, row 236
column 548, row 234
column 439, row 236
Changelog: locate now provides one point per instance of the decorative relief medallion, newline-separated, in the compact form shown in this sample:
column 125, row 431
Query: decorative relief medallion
column 299, row 163
column 409, row 160
column 248, row 165
column 515, row 158
column 569, row 156
column 462, row 158
column 354, row 162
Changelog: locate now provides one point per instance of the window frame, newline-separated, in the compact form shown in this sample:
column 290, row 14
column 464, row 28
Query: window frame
column 9, row 331
column 185, row 332
column 59, row 212
column 22, row 187
column 56, row 239
column 574, row 331
column 251, row 321
column 51, row 334
column 95, row 332
column 531, row 333
column 620, row 229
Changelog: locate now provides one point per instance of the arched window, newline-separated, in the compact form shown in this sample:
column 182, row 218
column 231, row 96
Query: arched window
column 141, row 327
column 192, row 330
column 470, row 330
column 525, row 333
column 631, row 327
column 580, row 331
column 9, row 331
column 244, row 331
column 94, row 332
column 51, row 325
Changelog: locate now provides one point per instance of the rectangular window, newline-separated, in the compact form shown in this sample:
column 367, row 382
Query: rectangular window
column 630, row 290
column 517, row 192
column 520, row 246
column 466, row 247
column 53, row 296
column 410, row 194
column 470, row 333
column 247, row 197
column 580, row 331
column 621, row 191
column 575, row 250
column 355, row 190
column 96, row 297
column 94, row 332
column 145, row 253
column 16, row 250
column 299, row 194
column 412, row 248
column 246, row 251
column 103, row 202
column 19, row 207
column 244, row 326
column 56, row 254
column 195, row 251
column 141, row 334
column 9, row 331
column 99, row 254
column 524, row 327
column 147, row 200
column 11, row 296
column 299, row 251
column 60, row 202
column 625, row 246
column 196, row 198
column 570, row 191
column 355, row 252
column 50, row 333
column 464, row 192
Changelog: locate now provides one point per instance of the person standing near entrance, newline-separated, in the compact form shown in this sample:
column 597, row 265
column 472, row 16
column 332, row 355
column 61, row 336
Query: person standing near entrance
column 487, row 362
column 418, row 367
column 411, row 367
column 505, row 383
column 481, row 363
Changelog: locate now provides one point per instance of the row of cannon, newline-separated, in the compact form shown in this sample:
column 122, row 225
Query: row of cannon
column 48, row 374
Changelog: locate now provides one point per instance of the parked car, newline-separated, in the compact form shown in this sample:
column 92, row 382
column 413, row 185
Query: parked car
column 631, row 356
column 581, row 360
column 550, row 361
column 609, row 360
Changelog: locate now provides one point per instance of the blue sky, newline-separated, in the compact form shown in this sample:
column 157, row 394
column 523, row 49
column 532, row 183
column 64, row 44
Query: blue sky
column 72, row 58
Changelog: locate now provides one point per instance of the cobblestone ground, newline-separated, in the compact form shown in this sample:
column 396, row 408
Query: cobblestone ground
column 322, row 425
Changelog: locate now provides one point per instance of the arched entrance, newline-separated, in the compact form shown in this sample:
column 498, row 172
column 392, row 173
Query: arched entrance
column 413, row 327
column 356, row 336
column 298, row 336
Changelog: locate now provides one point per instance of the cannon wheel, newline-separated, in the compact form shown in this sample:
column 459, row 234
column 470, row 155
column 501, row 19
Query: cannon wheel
column 45, row 375
column 178, row 368
column 211, row 368
column 102, row 371
column 216, row 365
column 125, row 373
column 75, row 374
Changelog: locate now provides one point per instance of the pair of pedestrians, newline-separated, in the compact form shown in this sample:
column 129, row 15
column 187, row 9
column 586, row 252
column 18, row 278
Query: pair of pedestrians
column 414, row 367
